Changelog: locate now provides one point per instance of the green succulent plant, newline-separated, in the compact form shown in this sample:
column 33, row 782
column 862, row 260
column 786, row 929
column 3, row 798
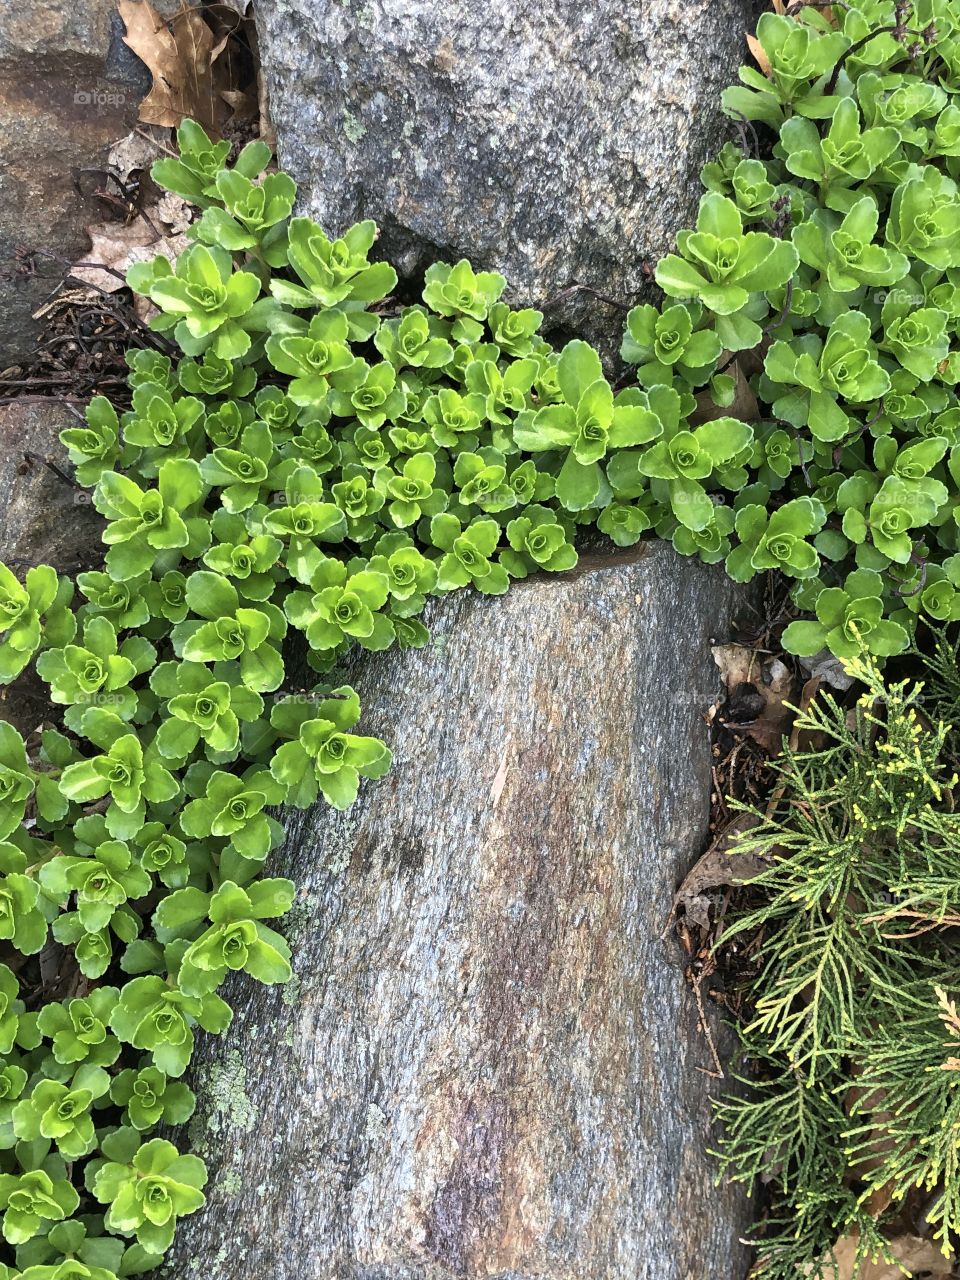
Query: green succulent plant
column 320, row 458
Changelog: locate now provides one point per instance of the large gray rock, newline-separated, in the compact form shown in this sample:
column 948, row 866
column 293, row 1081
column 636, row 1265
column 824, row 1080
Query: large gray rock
column 44, row 519
column 68, row 88
column 558, row 142
column 487, row 1063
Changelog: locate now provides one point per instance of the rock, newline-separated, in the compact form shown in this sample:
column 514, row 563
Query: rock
column 559, row 143
column 68, row 89
column 487, row 1064
column 44, row 519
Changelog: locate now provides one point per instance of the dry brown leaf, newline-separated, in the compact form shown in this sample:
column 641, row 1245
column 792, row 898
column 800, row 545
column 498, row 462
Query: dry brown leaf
column 114, row 245
column 912, row 1252
column 720, row 866
column 136, row 151
column 173, row 211
column 736, row 663
column 760, row 57
column 263, row 100
column 758, row 694
column 744, row 404
column 179, row 55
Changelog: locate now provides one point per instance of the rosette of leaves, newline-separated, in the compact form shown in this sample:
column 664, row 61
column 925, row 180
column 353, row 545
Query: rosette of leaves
column 124, row 771
column 241, row 473
column 96, row 447
column 537, row 541
column 147, row 1187
column 781, row 540
column 213, row 376
column 13, row 1081
column 844, row 252
column 97, row 672
column 343, row 606
column 231, row 807
column 33, row 613
column 321, row 754
column 416, row 339
column 78, row 1029
column 411, row 577
column 69, row 1251
column 122, row 603
column 246, row 559
column 412, row 493
column 105, row 880
column 93, row 952
column 24, row 912
column 16, row 779
column 33, row 1198
column 163, row 854
column 193, row 173
column 158, row 423
column 158, row 1018
column 505, row 392
column 818, row 377
column 312, row 358
column 332, row 271
column 16, row 1025
column 203, row 300
column 711, row 543
column 679, row 462
column 587, row 423
column 249, row 213
column 357, row 502
column 720, row 265
column 667, row 343
column 916, row 336
column 309, row 517
column 801, row 55
column 849, row 620
column 625, row 523
column 62, row 1112
column 481, row 482
column 202, row 707
column 468, row 552
column 149, row 1098
column 370, row 393
column 922, row 221
column 225, row 932
column 846, row 155
column 232, row 631
column 145, row 525
column 461, row 291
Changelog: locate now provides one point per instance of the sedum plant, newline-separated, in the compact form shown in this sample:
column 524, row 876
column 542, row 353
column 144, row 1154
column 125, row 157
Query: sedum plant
column 307, row 459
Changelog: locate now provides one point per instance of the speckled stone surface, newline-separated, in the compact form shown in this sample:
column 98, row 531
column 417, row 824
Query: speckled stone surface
column 558, row 142
column 487, row 1063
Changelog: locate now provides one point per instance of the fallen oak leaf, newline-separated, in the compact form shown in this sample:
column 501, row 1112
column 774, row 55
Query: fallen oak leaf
column 114, row 247
column 911, row 1254
column 179, row 55
column 136, row 151
column 718, row 868
column 757, row 695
